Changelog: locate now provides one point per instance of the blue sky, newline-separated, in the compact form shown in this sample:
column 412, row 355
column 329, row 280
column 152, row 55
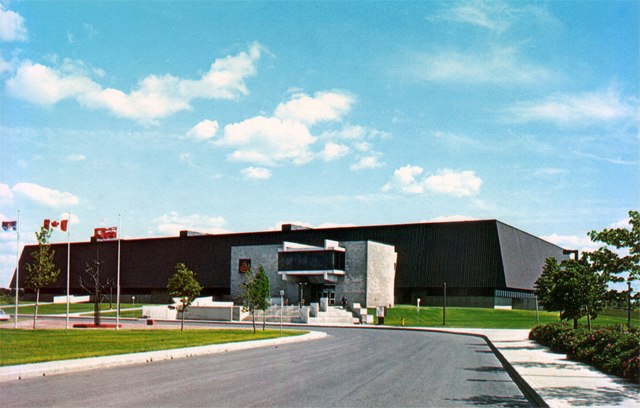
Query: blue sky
column 240, row 116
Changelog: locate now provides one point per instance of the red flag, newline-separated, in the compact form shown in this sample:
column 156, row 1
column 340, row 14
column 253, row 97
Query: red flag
column 62, row 225
column 105, row 233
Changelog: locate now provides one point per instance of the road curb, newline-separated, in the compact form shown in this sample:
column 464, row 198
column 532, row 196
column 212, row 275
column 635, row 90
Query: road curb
column 528, row 391
column 24, row 371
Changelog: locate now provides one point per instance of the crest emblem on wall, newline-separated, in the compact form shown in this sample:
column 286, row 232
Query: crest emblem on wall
column 245, row 265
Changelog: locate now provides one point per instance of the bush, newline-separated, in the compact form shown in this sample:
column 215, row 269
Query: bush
column 614, row 349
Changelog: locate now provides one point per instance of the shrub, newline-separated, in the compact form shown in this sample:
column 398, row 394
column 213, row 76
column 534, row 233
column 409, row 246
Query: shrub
column 614, row 350
column 551, row 335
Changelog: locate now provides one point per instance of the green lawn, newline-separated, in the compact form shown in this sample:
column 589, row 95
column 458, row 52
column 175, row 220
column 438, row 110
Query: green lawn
column 461, row 317
column 61, row 308
column 137, row 313
column 31, row 346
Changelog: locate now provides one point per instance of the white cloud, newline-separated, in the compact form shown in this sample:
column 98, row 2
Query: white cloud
column 582, row 109
column 323, row 106
column 155, row 97
column 268, row 140
column 367, row 163
column 7, row 66
column 6, row 195
column 624, row 223
column 11, row 26
column 458, row 184
column 500, row 66
column 349, row 132
column 497, row 16
column 453, row 218
column 404, row 180
column 74, row 220
column 173, row 223
column 549, row 171
column 481, row 14
column 357, row 136
column 256, row 173
column 287, row 136
column 45, row 196
column 582, row 244
column 362, row 147
column 45, row 86
column 333, row 151
column 204, row 130
column 76, row 157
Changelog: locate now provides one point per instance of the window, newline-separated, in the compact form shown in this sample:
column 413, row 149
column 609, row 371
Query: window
column 310, row 260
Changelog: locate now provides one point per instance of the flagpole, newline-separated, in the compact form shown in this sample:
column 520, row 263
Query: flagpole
column 15, row 322
column 118, row 275
column 68, row 263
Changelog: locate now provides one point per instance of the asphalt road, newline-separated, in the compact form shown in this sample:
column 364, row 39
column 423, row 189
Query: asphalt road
column 358, row 368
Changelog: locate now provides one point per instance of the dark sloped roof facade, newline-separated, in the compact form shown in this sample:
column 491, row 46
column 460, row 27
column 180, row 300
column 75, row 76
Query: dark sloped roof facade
column 472, row 254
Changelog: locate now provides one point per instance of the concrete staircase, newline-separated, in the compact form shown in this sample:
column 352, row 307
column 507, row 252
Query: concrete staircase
column 290, row 314
column 333, row 315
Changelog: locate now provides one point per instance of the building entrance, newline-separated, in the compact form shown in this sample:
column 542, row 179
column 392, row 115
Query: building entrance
column 312, row 292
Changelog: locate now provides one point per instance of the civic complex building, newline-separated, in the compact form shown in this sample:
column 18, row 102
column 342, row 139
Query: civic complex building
column 482, row 263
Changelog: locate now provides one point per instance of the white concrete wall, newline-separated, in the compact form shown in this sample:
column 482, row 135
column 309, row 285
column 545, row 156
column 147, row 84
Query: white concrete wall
column 72, row 299
column 353, row 285
column 381, row 274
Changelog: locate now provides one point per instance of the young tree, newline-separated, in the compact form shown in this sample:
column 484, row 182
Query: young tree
column 255, row 294
column 42, row 271
column 183, row 284
column 573, row 288
column 625, row 261
column 95, row 285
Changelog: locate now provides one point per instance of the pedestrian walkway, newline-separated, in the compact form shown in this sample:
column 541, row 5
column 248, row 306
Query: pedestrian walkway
column 560, row 382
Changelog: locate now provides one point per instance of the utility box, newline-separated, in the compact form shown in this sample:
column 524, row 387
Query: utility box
column 380, row 313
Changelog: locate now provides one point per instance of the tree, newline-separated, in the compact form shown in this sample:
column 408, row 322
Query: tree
column 572, row 287
column 183, row 284
column 623, row 263
column 42, row 271
column 95, row 286
column 255, row 294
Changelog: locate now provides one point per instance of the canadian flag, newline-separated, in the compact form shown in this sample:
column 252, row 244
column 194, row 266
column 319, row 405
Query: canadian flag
column 62, row 225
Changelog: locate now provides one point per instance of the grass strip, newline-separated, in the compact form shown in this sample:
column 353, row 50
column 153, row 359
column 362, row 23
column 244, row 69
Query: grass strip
column 61, row 308
column 33, row 346
column 461, row 317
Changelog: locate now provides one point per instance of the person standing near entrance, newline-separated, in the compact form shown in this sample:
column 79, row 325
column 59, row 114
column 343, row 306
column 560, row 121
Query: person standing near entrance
column 344, row 303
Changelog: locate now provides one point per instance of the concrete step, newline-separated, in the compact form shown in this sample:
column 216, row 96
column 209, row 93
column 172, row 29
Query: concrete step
column 333, row 315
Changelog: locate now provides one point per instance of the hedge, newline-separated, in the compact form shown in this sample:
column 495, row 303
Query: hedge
column 613, row 349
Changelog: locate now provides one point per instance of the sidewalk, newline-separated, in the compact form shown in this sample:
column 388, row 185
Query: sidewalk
column 560, row 382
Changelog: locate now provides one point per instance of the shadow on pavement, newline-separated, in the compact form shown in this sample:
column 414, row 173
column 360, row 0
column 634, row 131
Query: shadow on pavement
column 487, row 369
column 602, row 396
column 495, row 401
column 551, row 365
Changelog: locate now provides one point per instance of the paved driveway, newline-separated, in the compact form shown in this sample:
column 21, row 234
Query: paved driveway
column 348, row 368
